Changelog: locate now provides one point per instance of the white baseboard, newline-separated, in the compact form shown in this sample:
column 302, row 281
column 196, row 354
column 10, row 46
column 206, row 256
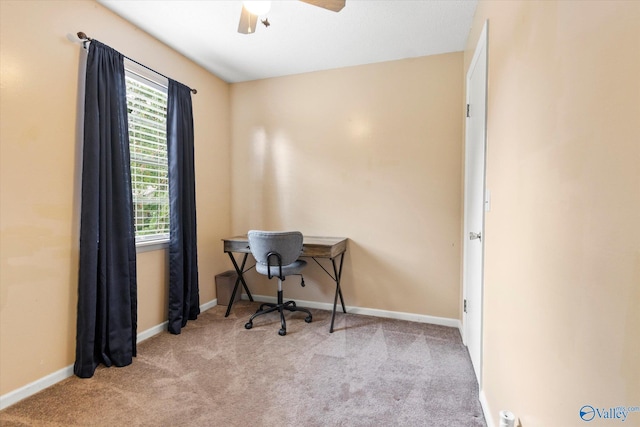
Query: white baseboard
column 485, row 409
column 207, row 305
column 155, row 330
column 17, row 395
column 412, row 317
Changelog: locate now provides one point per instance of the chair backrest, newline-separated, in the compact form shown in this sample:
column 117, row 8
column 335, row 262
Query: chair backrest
column 288, row 244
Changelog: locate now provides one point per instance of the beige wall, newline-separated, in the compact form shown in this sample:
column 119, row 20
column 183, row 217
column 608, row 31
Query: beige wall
column 562, row 278
column 39, row 183
column 372, row 153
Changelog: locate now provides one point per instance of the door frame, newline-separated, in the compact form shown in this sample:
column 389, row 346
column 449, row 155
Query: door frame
column 481, row 47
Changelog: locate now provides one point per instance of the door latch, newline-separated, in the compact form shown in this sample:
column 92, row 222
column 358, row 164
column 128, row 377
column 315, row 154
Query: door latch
column 474, row 236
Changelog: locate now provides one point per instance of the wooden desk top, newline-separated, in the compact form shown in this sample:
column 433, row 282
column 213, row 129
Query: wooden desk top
column 312, row 246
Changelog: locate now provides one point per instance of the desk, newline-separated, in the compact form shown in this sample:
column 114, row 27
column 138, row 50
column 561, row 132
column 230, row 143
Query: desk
column 313, row 247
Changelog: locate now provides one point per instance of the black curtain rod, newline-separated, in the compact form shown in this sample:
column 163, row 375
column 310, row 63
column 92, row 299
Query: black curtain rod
column 82, row 36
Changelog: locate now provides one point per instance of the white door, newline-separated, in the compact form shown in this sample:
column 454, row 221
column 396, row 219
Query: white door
column 474, row 203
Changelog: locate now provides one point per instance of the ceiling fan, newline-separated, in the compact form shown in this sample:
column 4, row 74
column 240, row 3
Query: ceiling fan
column 252, row 9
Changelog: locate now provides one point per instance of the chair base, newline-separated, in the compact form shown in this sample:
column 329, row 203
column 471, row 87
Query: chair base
column 281, row 306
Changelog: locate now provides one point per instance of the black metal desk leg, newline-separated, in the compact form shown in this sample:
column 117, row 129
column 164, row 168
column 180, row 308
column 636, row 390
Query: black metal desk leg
column 338, row 280
column 240, row 278
column 337, row 274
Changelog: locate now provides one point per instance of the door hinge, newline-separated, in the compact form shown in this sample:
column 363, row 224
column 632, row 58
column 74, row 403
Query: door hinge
column 465, row 306
column 468, row 115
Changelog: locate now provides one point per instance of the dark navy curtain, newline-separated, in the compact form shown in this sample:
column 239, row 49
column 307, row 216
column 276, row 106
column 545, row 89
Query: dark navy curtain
column 184, row 297
column 107, row 298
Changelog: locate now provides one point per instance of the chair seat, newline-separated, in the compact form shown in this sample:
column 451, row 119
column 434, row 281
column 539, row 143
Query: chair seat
column 287, row 270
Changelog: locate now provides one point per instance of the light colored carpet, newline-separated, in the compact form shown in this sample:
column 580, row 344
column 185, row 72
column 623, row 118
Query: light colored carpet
column 369, row 372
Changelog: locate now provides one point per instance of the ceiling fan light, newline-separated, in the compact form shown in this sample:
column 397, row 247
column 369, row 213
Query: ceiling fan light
column 258, row 7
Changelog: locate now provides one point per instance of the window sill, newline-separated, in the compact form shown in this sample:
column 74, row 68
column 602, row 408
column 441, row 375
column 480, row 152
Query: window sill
column 153, row 245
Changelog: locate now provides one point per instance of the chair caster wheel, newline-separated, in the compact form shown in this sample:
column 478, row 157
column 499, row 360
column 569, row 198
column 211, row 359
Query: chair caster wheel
column 282, row 332
column 248, row 325
column 307, row 319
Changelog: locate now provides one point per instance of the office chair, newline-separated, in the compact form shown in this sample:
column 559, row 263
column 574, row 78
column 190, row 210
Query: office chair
column 276, row 254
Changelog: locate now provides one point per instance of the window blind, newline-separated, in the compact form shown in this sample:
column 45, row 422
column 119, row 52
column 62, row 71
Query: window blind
column 147, row 108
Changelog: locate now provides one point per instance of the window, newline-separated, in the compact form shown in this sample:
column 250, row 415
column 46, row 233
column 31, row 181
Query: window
column 147, row 111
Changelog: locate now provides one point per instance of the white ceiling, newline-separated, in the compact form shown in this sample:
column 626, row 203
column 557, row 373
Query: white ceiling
column 302, row 38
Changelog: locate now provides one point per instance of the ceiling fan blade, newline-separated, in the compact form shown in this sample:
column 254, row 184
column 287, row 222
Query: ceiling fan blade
column 334, row 5
column 248, row 22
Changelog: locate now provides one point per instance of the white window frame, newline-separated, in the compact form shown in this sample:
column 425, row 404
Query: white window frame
column 147, row 77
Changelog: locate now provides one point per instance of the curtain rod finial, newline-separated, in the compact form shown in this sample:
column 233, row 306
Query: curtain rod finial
column 82, row 36
column 194, row 91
